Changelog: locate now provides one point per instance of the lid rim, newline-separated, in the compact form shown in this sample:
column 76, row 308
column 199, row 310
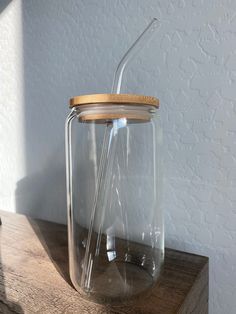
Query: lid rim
column 128, row 99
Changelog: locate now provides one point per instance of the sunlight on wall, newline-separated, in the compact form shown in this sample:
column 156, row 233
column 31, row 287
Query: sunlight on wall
column 11, row 100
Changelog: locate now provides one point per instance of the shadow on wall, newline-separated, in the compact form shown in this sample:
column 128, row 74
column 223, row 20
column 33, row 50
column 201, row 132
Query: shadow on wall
column 4, row 4
column 42, row 193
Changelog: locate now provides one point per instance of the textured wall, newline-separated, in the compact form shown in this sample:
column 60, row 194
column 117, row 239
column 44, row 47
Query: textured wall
column 62, row 48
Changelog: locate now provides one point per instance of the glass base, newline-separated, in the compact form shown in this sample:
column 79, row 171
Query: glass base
column 121, row 281
column 120, row 271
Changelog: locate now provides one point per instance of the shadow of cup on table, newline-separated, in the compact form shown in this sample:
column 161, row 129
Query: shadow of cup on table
column 53, row 238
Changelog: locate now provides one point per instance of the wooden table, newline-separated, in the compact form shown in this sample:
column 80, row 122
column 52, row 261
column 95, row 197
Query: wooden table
column 34, row 275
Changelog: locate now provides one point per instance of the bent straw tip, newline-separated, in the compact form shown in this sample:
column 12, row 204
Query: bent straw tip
column 155, row 22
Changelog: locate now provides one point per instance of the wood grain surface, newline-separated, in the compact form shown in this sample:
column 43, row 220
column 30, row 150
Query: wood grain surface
column 34, row 275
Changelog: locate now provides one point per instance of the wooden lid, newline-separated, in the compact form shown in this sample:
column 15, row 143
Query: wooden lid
column 127, row 99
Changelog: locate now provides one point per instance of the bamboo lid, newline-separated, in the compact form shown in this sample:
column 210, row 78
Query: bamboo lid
column 125, row 99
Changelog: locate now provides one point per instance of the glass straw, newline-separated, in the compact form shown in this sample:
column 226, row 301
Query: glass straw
column 139, row 43
column 108, row 154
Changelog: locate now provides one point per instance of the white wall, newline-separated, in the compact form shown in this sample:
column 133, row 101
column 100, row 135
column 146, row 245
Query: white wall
column 52, row 50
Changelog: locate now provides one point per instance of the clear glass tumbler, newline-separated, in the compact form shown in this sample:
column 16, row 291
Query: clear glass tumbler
column 115, row 223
